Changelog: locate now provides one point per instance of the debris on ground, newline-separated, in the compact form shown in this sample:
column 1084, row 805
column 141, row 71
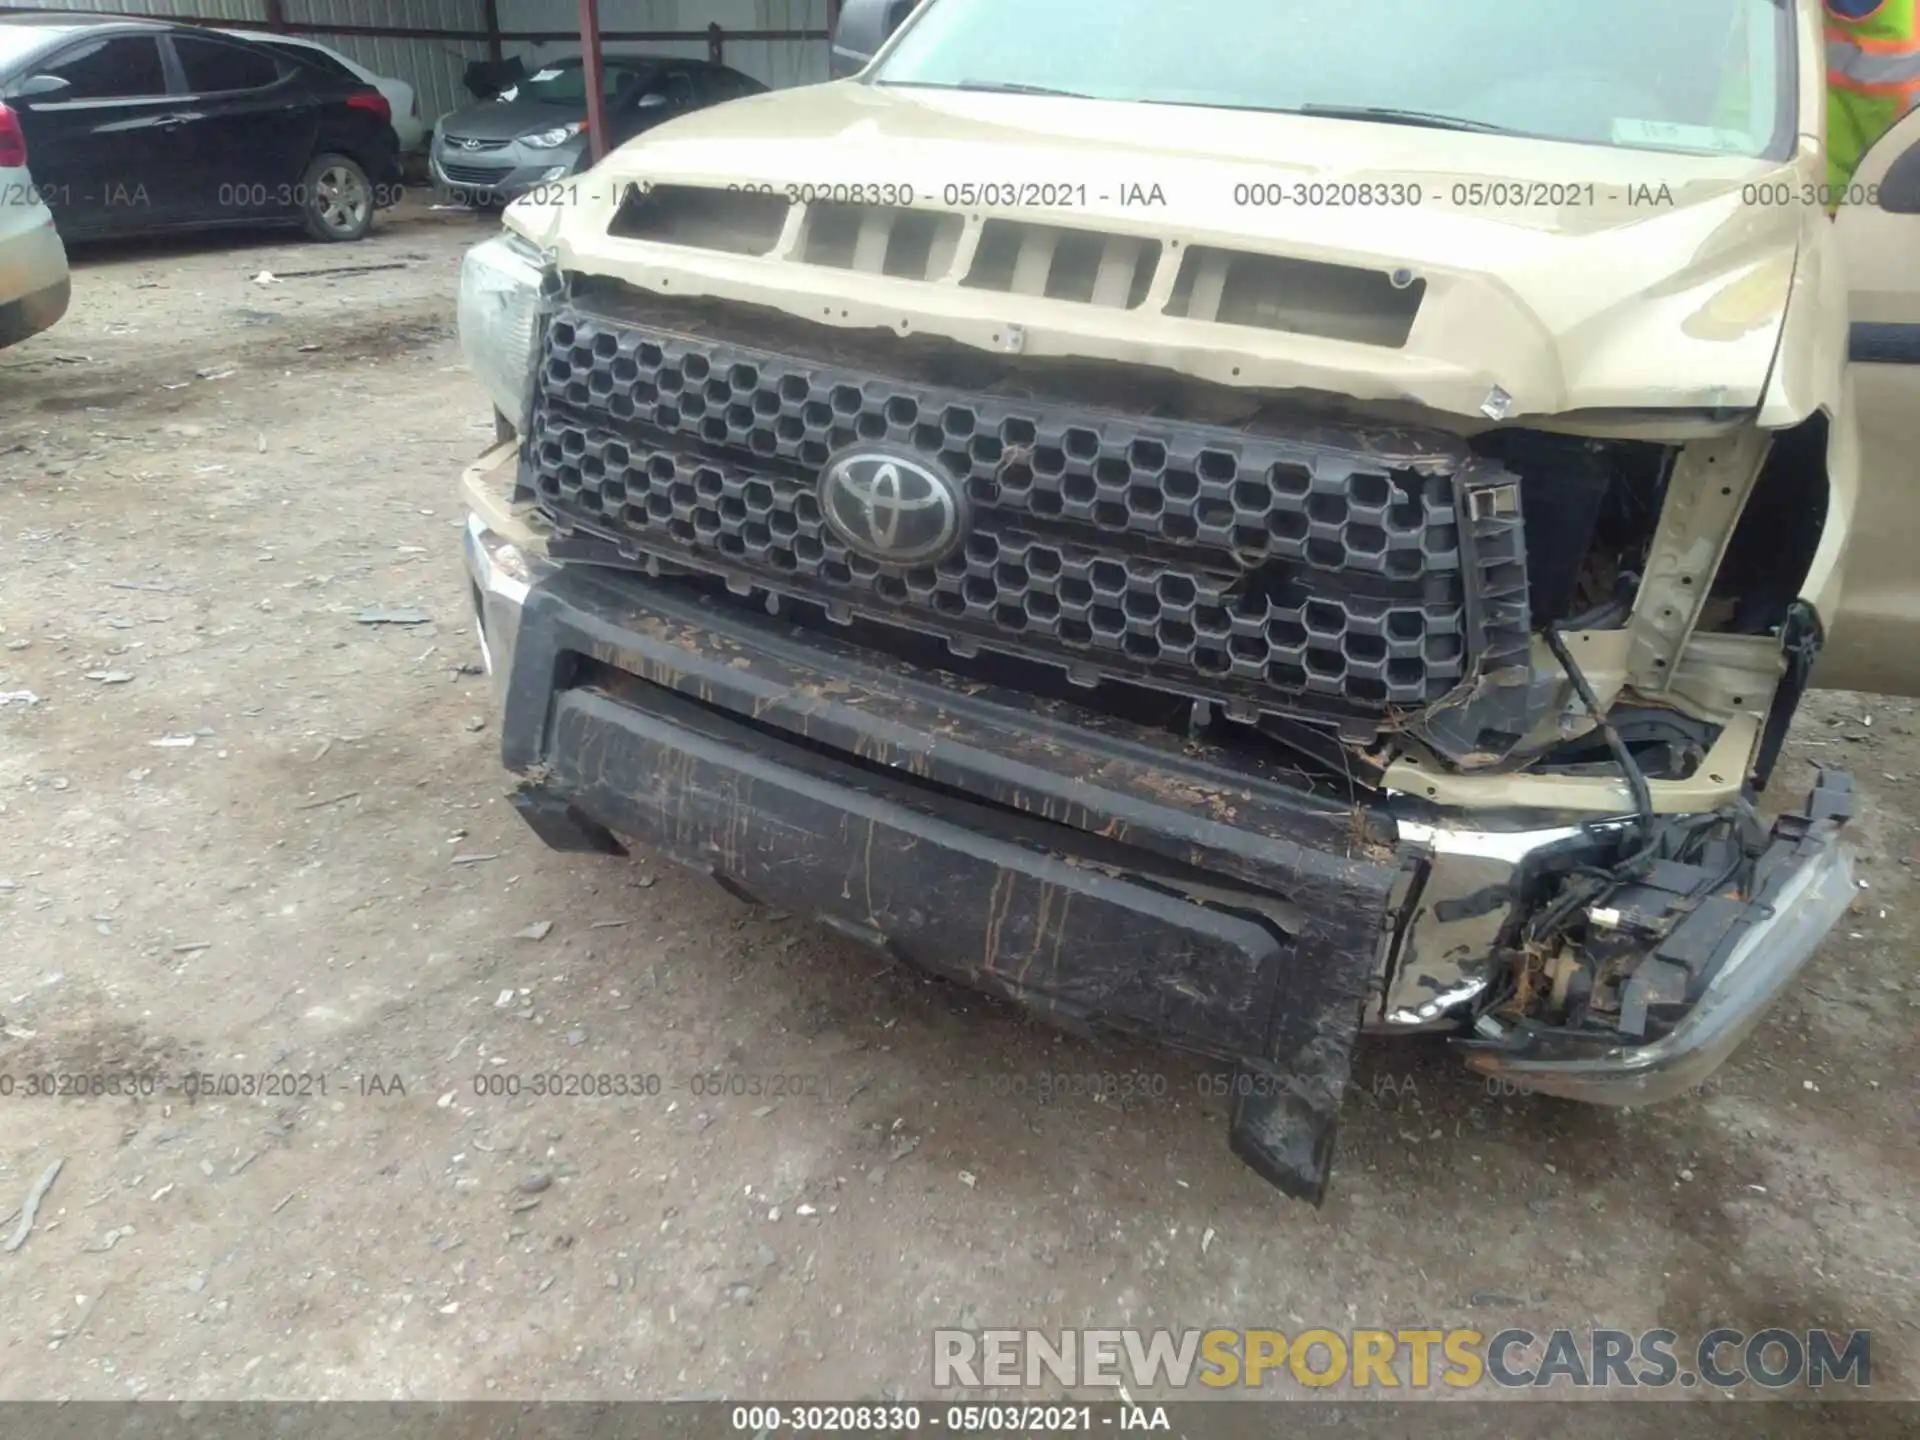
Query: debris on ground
column 340, row 270
column 332, row 800
column 108, row 1240
column 384, row 615
column 31, row 1206
column 63, row 1334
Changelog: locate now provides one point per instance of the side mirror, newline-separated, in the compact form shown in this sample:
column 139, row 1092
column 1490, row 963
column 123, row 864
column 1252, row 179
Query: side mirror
column 864, row 27
column 1900, row 191
column 41, row 87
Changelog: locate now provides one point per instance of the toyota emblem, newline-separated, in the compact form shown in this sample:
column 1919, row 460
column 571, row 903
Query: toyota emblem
column 892, row 507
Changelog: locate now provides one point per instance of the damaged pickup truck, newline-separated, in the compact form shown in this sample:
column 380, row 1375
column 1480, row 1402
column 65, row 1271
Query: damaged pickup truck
column 1242, row 534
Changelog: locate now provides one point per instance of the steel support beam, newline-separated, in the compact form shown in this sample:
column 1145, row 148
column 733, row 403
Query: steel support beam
column 494, row 51
column 590, row 60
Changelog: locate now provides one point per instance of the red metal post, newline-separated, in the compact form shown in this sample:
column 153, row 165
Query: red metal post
column 594, row 76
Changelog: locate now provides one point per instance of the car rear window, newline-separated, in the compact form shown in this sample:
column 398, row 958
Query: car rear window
column 307, row 55
column 19, row 41
column 212, row 65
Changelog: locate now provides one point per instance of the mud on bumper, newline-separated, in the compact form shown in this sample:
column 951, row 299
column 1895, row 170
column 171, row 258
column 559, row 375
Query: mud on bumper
column 1110, row 884
column 1082, row 869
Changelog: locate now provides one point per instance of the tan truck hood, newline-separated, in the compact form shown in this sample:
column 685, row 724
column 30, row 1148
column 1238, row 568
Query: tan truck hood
column 1576, row 278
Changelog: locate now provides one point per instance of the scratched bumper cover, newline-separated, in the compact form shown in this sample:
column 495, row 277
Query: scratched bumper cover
column 1076, row 866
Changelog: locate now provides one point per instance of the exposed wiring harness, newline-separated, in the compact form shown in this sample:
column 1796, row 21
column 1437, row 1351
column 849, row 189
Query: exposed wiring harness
column 1587, row 884
column 1681, row 838
column 1629, row 767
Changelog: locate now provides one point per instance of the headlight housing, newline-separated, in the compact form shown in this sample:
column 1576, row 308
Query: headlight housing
column 558, row 135
column 500, row 315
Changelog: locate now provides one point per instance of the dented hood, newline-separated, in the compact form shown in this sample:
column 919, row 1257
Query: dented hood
column 1551, row 277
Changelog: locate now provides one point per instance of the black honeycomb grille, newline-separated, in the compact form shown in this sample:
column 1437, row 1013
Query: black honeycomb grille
column 1254, row 569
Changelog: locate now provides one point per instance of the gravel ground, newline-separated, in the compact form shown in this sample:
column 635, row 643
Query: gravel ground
column 242, row 832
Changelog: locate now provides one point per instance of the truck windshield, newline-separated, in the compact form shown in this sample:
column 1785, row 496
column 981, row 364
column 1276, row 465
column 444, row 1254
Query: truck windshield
column 1713, row 76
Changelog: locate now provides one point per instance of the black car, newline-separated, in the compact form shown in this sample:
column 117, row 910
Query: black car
column 534, row 131
column 140, row 126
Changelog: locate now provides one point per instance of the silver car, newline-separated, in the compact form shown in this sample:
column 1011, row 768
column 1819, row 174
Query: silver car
column 34, row 286
column 534, row 132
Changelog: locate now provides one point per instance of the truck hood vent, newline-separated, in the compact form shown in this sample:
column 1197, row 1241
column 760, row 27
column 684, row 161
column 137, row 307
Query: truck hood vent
column 880, row 239
column 1302, row 297
column 1061, row 264
column 738, row 222
column 1015, row 257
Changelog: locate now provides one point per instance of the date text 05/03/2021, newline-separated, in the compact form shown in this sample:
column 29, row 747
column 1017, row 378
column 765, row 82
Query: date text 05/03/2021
column 1011, row 1418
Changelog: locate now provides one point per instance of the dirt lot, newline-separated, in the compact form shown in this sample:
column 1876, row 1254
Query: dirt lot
column 204, row 481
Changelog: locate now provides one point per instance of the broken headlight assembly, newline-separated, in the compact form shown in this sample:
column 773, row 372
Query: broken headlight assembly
column 503, row 284
column 1644, row 959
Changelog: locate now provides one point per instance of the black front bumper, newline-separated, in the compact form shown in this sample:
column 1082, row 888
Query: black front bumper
column 1074, row 864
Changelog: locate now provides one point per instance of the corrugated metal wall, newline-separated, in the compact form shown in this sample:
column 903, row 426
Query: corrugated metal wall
column 247, row 11
column 773, row 62
column 434, row 66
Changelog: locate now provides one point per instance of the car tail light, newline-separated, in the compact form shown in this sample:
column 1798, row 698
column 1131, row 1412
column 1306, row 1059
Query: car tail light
column 372, row 101
column 13, row 145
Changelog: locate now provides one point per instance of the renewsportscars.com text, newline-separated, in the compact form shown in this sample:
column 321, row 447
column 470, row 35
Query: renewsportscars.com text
column 1408, row 1359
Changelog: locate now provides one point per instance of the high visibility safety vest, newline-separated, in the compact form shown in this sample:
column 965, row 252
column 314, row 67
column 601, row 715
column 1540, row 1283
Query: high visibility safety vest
column 1873, row 77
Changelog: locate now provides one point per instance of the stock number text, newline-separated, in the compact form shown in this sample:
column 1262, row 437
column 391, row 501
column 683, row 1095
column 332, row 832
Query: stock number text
column 1359, row 193
column 1826, row 197
column 763, row 1419
column 851, row 193
column 567, row 1084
